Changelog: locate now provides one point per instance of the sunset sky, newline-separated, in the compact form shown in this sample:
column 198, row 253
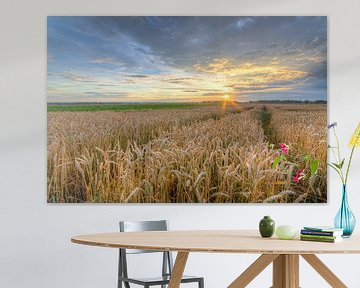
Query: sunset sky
column 170, row 59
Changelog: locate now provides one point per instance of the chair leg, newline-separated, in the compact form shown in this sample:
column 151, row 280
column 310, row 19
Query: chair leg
column 201, row 283
column 126, row 284
column 119, row 270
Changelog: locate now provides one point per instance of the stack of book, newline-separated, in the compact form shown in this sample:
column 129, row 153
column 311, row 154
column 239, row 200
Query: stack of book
column 321, row 234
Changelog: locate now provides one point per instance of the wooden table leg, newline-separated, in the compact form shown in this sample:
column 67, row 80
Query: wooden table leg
column 286, row 271
column 178, row 269
column 253, row 270
column 293, row 262
column 324, row 271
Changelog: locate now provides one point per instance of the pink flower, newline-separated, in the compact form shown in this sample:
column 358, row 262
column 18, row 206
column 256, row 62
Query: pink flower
column 284, row 148
column 299, row 175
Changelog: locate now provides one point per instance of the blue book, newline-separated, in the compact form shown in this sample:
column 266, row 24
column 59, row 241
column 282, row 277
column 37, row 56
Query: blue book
column 322, row 231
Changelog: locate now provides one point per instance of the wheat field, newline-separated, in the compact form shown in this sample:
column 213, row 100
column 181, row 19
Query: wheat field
column 197, row 155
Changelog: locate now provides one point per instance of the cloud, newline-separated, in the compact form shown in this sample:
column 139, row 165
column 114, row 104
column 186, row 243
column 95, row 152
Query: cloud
column 251, row 78
column 77, row 77
column 137, row 76
column 243, row 22
column 50, row 58
column 106, row 60
column 217, row 94
column 251, row 72
column 179, row 80
column 190, row 91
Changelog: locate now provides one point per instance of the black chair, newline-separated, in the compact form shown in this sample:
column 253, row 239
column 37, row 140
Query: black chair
column 167, row 265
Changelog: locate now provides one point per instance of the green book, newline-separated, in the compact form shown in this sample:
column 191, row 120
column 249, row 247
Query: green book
column 319, row 236
column 325, row 240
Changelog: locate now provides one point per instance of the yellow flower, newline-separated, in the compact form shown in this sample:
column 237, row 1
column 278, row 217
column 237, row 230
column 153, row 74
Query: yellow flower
column 355, row 138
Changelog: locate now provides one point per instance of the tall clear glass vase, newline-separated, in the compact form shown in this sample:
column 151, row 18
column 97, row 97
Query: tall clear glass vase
column 345, row 219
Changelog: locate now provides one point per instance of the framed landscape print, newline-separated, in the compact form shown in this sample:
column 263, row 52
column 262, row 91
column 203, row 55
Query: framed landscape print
column 187, row 109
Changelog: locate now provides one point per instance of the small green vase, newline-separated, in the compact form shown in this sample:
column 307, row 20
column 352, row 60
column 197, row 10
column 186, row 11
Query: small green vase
column 267, row 227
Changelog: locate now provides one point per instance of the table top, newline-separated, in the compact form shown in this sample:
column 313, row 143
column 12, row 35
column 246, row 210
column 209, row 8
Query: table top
column 217, row 241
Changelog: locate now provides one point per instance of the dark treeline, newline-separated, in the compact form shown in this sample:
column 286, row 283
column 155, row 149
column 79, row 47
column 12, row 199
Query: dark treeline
column 289, row 102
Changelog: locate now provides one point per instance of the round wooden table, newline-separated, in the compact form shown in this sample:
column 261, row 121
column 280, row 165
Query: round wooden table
column 284, row 254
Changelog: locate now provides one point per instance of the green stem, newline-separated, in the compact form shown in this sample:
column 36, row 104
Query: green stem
column 337, row 144
column 339, row 160
column 337, row 171
column 333, row 152
column 348, row 166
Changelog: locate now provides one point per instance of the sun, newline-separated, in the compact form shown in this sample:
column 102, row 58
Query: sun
column 229, row 100
column 226, row 97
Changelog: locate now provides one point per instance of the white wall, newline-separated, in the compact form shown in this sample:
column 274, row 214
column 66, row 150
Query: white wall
column 35, row 248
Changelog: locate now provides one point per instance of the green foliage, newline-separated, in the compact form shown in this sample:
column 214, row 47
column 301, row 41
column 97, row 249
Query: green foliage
column 314, row 165
column 340, row 165
column 307, row 158
column 277, row 161
column 264, row 117
column 120, row 107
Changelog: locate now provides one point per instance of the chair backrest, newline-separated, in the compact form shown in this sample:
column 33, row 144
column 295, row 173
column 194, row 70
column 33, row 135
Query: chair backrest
column 137, row 226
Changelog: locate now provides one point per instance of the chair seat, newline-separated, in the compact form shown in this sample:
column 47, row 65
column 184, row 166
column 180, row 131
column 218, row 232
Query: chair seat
column 158, row 280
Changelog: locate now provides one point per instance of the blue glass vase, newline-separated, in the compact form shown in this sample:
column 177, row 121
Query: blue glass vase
column 345, row 219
